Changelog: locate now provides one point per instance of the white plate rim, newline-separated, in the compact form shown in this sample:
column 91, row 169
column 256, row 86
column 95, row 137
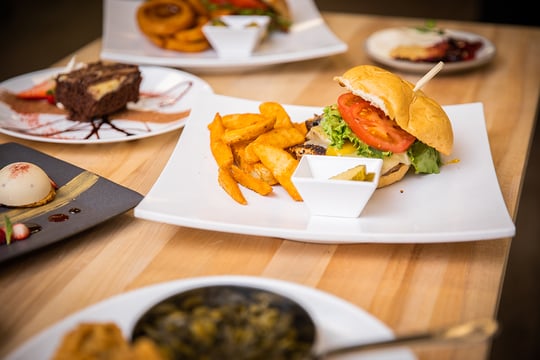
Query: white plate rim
column 23, row 81
column 305, row 11
column 485, row 56
column 338, row 321
column 280, row 217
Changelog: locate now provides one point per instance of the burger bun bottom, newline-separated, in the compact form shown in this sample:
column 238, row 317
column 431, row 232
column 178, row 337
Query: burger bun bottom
column 393, row 176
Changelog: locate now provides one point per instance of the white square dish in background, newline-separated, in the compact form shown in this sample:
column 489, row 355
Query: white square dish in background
column 309, row 38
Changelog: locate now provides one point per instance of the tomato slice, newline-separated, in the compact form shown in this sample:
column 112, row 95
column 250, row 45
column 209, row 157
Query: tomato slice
column 40, row 91
column 372, row 126
column 345, row 103
column 250, row 4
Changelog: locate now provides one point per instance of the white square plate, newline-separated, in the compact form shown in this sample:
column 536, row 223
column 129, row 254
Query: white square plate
column 309, row 38
column 462, row 203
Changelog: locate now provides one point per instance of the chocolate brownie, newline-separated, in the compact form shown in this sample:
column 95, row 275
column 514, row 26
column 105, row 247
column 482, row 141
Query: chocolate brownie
column 98, row 89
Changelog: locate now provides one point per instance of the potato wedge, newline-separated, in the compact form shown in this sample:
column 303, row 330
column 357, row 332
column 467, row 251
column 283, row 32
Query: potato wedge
column 241, row 120
column 301, row 127
column 260, row 171
column 238, row 149
column 280, row 137
column 216, row 127
column 249, row 132
column 282, row 164
column 229, row 184
column 222, row 152
column 276, row 110
column 250, row 182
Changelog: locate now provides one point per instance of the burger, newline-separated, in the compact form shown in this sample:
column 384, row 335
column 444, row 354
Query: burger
column 277, row 10
column 381, row 116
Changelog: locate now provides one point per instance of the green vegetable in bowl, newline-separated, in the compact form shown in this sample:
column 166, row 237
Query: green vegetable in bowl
column 228, row 322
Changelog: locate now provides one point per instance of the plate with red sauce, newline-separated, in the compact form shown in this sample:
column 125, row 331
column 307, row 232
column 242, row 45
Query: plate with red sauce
column 417, row 50
column 166, row 98
column 83, row 200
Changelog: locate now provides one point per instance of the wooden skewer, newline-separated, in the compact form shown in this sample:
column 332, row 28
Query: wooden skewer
column 429, row 75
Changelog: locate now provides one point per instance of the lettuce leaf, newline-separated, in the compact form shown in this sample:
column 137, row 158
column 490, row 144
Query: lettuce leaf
column 424, row 158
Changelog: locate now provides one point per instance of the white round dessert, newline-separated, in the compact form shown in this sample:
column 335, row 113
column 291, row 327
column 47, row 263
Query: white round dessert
column 23, row 184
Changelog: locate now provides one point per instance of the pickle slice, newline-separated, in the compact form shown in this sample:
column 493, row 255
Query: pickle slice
column 357, row 173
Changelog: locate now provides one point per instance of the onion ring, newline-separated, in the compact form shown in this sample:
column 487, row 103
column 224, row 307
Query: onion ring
column 174, row 24
column 194, row 33
column 157, row 40
column 172, row 43
column 191, row 35
column 198, row 7
column 165, row 17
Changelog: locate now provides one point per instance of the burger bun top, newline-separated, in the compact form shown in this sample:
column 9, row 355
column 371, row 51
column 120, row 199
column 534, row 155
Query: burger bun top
column 413, row 111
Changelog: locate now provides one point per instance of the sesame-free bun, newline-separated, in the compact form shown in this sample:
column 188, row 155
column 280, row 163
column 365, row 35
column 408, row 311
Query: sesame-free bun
column 413, row 111
column 393, row 176
column 429, row 123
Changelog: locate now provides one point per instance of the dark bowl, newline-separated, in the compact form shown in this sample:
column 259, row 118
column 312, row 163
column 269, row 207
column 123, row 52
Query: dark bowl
column 228, row 322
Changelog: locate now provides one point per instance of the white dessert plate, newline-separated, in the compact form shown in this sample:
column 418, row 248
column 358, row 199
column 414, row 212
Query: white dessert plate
column 337, row 322
column 379, row 45
column 158, row 84
column 309, row 38
column 462, row 203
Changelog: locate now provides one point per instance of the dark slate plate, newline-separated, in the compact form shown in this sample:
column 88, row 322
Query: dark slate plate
column 95, row 198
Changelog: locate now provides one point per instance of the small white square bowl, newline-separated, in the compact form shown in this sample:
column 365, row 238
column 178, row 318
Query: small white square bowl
column 326, row 197
column 238, row 38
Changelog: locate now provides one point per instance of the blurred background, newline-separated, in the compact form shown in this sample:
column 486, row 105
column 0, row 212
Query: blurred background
column 36, row 34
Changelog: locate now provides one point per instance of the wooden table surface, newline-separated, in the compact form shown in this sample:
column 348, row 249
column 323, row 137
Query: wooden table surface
column 409, row 287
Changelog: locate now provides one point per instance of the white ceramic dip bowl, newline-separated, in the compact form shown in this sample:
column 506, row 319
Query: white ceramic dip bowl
column 236, row 36
column 335, row 197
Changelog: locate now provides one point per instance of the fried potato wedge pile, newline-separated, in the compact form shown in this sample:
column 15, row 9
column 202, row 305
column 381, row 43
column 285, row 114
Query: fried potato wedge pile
column 250, row 150
column 174, row 24
column 104, row 341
